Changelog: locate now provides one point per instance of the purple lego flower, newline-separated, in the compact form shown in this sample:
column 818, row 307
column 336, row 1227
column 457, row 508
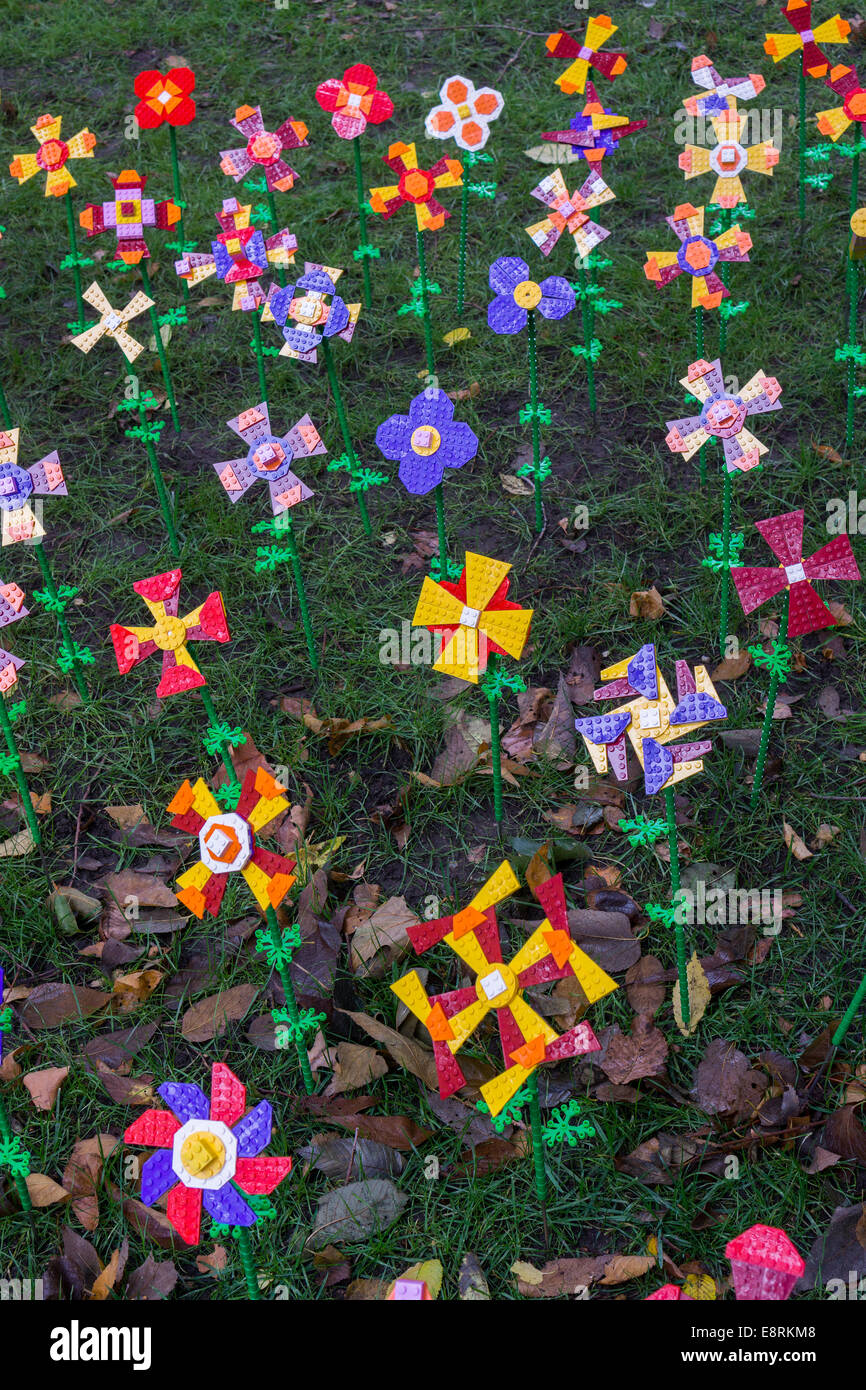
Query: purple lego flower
column 516, row 294
column 426, row 441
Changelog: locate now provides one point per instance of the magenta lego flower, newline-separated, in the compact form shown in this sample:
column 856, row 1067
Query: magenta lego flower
column 516, row 294
column 264, row 148
column 795, row 572
column 354, row 101
column 208, row 1150
column 765, row 1264
column 426, row 441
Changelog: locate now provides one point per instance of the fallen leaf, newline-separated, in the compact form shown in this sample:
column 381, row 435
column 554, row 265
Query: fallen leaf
column 514, row 486
column 382, row 939
column 646, row 604
column 406, row 1052
column 725, row 1084
column 621, row 1268
column 555, row 740
column 354, row 1066
column 795, row 844
column 351, row 1157
column 429, row 1272
column 49, row 1006
column 582, row 674
column 81, row 1176
column 339, row 731
column 44, row 1191
column 354, row 1212
column 642, row 1053
column 826, row 451
column 840, row 613
column 210, row 1017
column 699, row 994
column 105, row 1283
column 152, row 1281
column 214, row 1263
column 132, row 990
column 825, row 835
column 732, row 667
column 645, row 985
column 17, row 845
column 394, row 1131
column 838, row 1253
column 472, row 1286
column 44, row 1085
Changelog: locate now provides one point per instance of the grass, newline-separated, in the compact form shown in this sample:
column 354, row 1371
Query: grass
column 648, row 525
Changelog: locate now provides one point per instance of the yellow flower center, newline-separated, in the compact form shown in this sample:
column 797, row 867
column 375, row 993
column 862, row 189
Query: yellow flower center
column 425, row 440
column 203, row 1154
column 169, row 634
column 527, row 294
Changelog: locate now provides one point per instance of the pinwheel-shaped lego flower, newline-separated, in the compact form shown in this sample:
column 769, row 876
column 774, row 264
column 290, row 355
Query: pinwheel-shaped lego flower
column 207, row 1150
column 127, row 214
column 18, row 485
column 527, row 1039
column 264, row 148
column 227, row 843
column 309, row 311
column 516, row 294
column 765, row 1264
column 474, row 618
column 354, row 101
column 570, row 212
column 806, row 38
column 718, row 90
column 651, row 719
column 164, row 97
column 586, row 55
column 416, row 186
column 426, row 441
column 795, row 573
column 12, row 610
column 465, row 113
column 595, row 130
column 112, row 322
column 239, row 255
column 728, row 158
column 723, row 416
column 697, row 257
column 170, row 633
column 53, row 156
column 269, row 458
column 846, row 84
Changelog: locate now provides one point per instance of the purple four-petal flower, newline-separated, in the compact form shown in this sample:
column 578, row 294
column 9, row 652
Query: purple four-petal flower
column 508, row 313
column 426, row 441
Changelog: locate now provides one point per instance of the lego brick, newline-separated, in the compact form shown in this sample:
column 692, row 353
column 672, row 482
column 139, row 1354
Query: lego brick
column 253, row 1130
column 153, row 1129
column 464, row 113
column 112, row 322
column 187, row 1100
column 228, row 1096
column 259, row 1176
column 765, row 1264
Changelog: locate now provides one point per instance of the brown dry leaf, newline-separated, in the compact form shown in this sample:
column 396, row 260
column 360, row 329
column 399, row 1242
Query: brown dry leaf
column 354, row 1066
column 514, row 486
column 606, row 937
column 558, row 1278
column 210, row 1017
column 840, row 613
column 795, row 844
column 382, row 938
column 104, row 1284
column 17, row 845
column 132, row 990
column 732, row 667
column 645, row 985
column 825, row 835
column 646, row 604
column 395, row 1131
column 127, row 817
column 44, row 1085
column 826, row 451
column 44, row 1191
column 339, row 731
column 620, row 1268
column 700, row 995
column 49, row 1006
column 532, row 705
column 582, row 674
column 465, row 393
column 464, row 741
column 642, row 1053
column 214, row 1263
column 725, row 1084
column 555, row 740
column 472, row 1286
column 405, row 1051
column 538, row 870
column 82, row 1174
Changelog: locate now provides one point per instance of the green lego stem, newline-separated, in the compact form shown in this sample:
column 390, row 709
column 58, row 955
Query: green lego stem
column 771, row 705
column 853, row 291
column 586, row 313
column 301, row 592
column 535, row 422
column 461, row 265
column 7, row 1136
column 160, row 345
column 362, row 219
column 20, row 778
column 260, row 358
column 272, row 209
column 80, row 682
column 4, row 409
column 440, row 530
column 679, row 929
column 245, row 1250
column 851, row 1010
column 699, row 349
column 425, row 301
column 161, row 490
column 727, row 222
column 344, row 428
column 538, row 1149
column 802, row 150
column 73, row 248
column 727, row 488
column 291, row 1005
column 495, row 755
column 178, row 196
column 225, row 745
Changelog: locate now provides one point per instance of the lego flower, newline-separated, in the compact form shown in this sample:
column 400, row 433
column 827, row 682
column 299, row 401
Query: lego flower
column 269, row 458
column 17, row 486
column 719, row 91
column 516, row 294
column 765, row 1264
column 164, row 97
column 846, row 84
column 416, row 186
column 595, row 130
column 784, row 536
column 570, row 212
column 208, row 1148
column 426, row 441
column 652, row 719
column 465, row 113
column 805, row 39
column 227, row 843
column 52, row 156
column 264, row 148
column 354, row 101
column 527, row 1039
column 474, row 617
column 697, row 257
column 112, row 322
column 309, row 311
column 723, row 416
column 728, row 158
column 127, row 214
column 169, row 633
column 239, row 256
column 12, row 610
column 586, row 54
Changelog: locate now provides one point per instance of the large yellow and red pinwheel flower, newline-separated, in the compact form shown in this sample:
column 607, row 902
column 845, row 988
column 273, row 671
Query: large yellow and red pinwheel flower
column 805, row 39
column 169, row 633
column 416, row 186
column 474, row 618
column 227, row 843
column 52, row 156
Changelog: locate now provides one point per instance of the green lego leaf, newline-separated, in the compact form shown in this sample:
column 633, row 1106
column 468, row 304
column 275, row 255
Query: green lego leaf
column 279, row 955
column 776, row 662
column 642, row 830
column 564, row 1126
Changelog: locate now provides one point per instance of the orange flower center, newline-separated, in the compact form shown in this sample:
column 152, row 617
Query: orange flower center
column 416, row 185
column 52, row 155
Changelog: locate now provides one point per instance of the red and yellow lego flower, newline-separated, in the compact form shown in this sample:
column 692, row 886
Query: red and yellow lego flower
column 354, row 101
column 227, row 843
column 416, row 186
column 52, row 156
column 474, row 618
column 165, row 97
column 169, row 633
